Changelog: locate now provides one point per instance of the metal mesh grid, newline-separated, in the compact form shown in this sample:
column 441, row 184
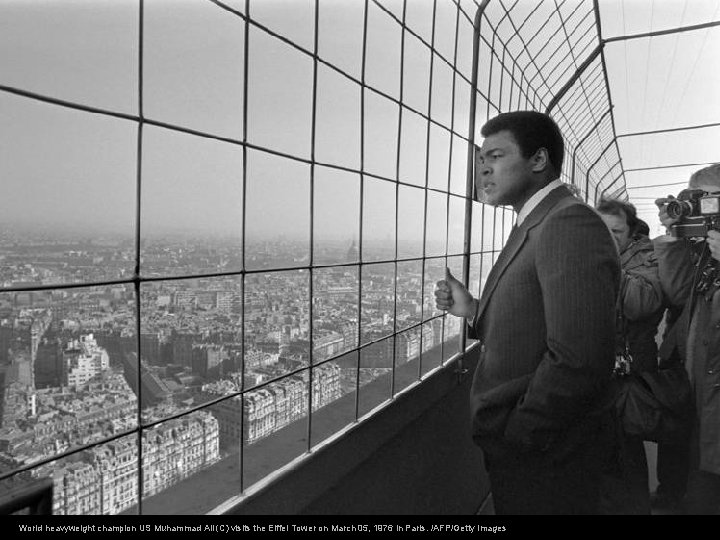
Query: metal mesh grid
column 551, row 53
column 428, row 119
column 530, row 55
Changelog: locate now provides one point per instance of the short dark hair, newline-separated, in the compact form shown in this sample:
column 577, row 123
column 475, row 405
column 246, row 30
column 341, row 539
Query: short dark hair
column 624, row 210
column 642, row 228
column 531, row 130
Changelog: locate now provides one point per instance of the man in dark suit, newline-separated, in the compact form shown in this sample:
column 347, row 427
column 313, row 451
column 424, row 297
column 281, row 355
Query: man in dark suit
column 546, row 320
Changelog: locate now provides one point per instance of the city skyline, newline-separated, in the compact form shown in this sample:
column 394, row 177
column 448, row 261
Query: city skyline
column 71, row 375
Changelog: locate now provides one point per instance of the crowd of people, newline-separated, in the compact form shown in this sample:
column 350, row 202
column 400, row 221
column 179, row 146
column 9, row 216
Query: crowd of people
column 578, row 295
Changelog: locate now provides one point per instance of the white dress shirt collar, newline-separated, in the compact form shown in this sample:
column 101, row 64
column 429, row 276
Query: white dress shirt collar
column 536, row 198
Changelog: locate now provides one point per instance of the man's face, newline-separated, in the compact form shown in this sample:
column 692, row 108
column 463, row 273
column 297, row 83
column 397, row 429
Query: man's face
column 504, row 176
column 619, row 228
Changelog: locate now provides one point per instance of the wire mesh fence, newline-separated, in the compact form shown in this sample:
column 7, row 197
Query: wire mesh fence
column 205, row 360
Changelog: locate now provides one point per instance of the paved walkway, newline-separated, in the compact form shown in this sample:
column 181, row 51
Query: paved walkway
column 487, row 509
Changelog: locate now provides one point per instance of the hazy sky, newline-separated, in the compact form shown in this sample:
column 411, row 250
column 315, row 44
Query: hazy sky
column 66, row 166
column 659, row 83
column 61, row 166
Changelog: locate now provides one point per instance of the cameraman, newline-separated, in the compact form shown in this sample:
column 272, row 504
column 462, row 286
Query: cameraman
column 690, row 278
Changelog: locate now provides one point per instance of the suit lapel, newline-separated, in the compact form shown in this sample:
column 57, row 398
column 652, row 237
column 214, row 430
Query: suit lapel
column 515, row 242
column 508, row 253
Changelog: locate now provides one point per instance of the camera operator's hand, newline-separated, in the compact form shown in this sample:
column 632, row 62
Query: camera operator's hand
column 666, row 220
column 453, row 297
column 713, row 242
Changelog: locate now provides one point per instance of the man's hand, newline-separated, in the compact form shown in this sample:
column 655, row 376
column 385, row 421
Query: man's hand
column 453, row 297
column 666, row 220
column 713, row 242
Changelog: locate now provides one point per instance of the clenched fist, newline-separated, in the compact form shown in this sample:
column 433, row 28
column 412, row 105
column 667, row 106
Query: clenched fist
column 453, row 297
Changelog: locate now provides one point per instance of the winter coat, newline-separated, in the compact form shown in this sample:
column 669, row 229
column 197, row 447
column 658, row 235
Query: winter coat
column 702, row 309
column 641, row 302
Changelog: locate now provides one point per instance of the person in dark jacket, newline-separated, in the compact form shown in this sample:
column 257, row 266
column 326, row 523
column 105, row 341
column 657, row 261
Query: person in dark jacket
column 546, row 320
column 690, row 277
column 640, row 309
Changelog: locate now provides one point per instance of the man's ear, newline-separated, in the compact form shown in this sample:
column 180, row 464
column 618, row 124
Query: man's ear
column 540, row 160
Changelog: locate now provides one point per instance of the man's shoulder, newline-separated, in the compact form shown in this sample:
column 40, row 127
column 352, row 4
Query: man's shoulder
column 570, row 201
column 572, row 221
column 558, row 202
column 639, row 248
column 681, row 250
column 572, row 208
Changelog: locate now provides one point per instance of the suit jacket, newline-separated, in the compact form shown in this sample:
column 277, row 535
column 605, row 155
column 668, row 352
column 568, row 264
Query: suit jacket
column 546, row 318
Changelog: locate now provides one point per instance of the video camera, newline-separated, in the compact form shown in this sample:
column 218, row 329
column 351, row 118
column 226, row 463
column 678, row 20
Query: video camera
column 697, row 211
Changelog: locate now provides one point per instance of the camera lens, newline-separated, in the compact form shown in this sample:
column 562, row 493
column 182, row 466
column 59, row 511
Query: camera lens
column 677, row 209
